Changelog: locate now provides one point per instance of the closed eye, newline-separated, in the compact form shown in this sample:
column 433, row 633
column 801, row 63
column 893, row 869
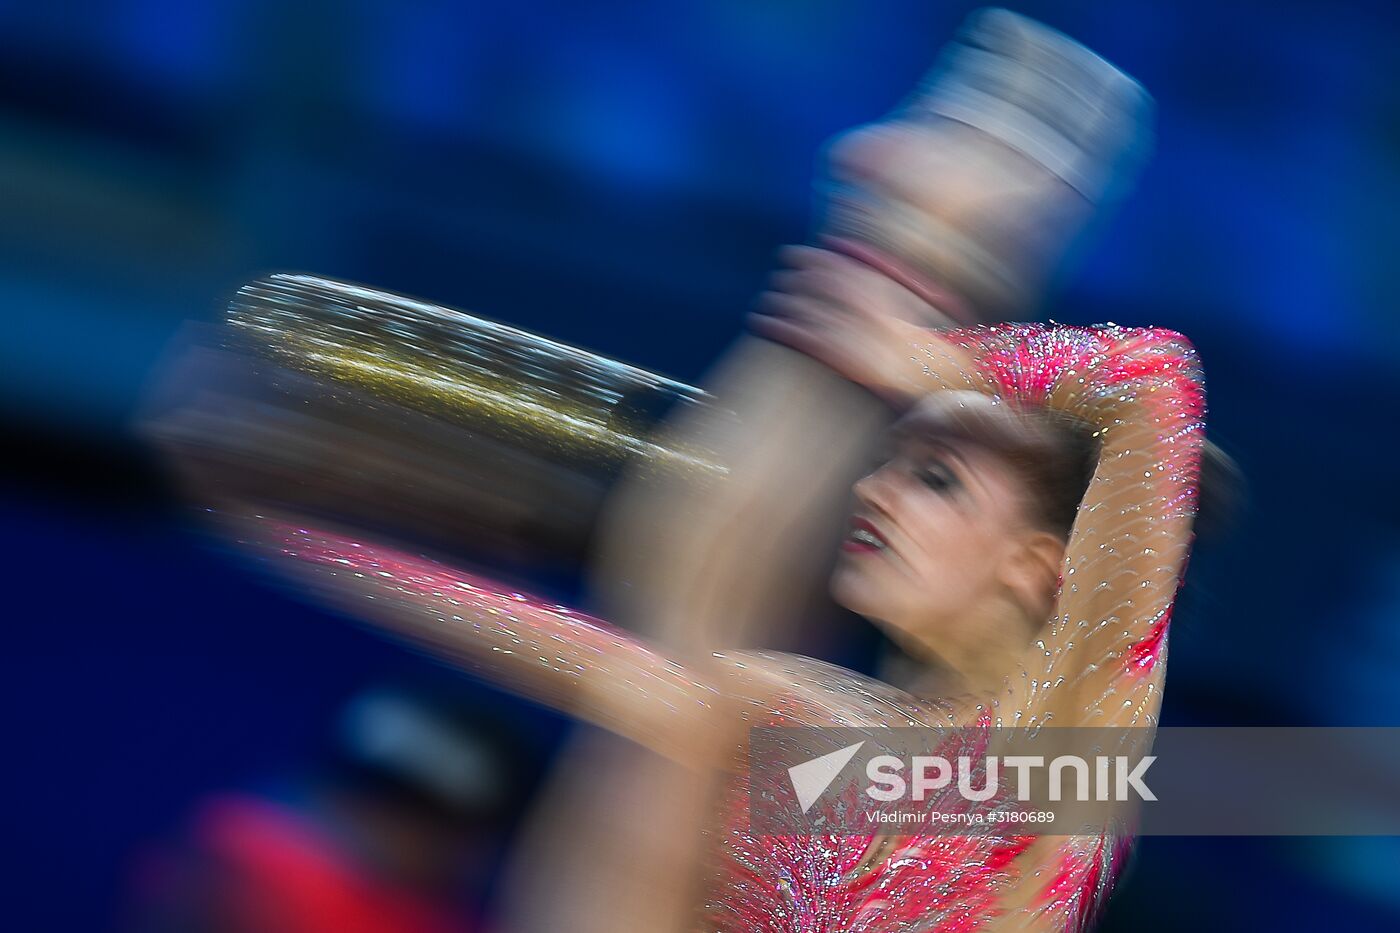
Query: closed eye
column 939, row 477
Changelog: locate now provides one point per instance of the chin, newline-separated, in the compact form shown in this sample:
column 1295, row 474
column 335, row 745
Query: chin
column 854, row 590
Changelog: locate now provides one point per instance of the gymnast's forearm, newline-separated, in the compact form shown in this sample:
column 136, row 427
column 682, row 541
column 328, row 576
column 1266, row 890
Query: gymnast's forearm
column 545, row 653
column 1130, row 542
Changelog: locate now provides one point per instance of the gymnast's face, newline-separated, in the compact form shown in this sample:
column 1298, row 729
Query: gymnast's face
column 940, row 548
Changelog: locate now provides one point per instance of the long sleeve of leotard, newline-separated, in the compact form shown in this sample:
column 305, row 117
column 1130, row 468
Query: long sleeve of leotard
column 545, row 652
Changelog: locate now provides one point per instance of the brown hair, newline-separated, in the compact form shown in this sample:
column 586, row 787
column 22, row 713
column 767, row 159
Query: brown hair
column 1053, row 454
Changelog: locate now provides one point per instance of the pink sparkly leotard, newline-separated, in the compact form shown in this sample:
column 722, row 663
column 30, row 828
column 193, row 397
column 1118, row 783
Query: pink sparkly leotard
column 1098, row 662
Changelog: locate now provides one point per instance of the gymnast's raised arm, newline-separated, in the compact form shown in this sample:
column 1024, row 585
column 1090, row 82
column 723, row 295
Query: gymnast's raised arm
column 1141, row 392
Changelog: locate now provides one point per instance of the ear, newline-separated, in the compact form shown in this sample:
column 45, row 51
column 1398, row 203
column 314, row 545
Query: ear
column 1031, row 572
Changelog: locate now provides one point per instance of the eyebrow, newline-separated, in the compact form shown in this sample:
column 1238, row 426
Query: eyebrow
column 925, row 446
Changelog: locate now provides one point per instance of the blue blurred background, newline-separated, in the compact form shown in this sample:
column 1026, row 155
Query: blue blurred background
column 617, row 175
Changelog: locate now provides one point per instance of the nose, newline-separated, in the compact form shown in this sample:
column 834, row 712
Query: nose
column 875, row 490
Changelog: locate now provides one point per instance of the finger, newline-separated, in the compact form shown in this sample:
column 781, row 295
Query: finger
column 800, row 310
column 830, row 260
column 871, row 294
column 813, row 326
column 782, row 330
column 808, row 258
column 790, row 281
column 799, row 257
column 816, row 285
column 785, row 331
column 858, row 292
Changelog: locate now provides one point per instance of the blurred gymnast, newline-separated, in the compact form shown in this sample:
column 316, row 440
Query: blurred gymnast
column 1021, row 541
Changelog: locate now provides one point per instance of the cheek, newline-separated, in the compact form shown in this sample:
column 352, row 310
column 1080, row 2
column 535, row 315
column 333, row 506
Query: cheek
column 952, row 558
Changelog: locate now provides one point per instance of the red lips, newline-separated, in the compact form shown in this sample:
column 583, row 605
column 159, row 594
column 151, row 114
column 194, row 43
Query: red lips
column 853, row 542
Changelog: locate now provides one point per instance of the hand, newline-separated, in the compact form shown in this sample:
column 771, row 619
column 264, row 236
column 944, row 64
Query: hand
column 954, row 206
column 854, row 318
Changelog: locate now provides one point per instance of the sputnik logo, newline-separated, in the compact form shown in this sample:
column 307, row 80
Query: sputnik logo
column 811, row 778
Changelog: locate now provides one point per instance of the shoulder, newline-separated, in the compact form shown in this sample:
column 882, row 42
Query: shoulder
column 802, row 691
